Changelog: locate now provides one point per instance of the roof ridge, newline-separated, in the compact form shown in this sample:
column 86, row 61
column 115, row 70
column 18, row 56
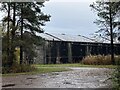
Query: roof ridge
column 54, row 36
column 88, row 38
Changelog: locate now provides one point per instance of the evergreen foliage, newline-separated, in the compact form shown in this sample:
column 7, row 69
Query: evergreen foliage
column 22, row 22
column 102, row 9
column 108, row 20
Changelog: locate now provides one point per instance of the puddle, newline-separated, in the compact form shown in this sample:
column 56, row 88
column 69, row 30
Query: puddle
column 8, row 85
column 30, row 78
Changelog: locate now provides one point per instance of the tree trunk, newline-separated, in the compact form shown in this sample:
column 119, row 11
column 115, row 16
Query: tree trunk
column 21, row 47
column 13, row 34
column 111, row 36
column 8, row 37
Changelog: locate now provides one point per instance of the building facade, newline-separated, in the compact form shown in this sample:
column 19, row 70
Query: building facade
column 61, row 48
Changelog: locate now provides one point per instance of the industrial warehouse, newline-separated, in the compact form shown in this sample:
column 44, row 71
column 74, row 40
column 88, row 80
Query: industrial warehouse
column 62, row 48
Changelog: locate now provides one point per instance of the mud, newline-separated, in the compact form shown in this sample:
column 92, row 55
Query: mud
column 76, row 78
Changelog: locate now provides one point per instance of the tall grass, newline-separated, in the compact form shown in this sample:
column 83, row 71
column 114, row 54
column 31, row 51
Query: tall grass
column 99, row 60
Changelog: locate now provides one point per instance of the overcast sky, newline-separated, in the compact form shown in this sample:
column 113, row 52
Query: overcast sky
column 70, row 17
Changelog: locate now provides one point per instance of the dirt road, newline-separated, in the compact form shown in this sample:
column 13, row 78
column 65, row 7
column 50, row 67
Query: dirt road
column 77, row 78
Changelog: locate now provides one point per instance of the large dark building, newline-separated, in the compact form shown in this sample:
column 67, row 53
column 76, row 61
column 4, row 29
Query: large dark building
column 61, row 48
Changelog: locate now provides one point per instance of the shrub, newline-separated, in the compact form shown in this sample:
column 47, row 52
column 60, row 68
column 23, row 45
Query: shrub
column 98, row 60
column 4, row 59
column 116, row 76
column 17, row 68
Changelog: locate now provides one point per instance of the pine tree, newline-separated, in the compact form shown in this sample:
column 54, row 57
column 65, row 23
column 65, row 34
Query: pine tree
column 108, row 20
column 26, row 16
column 32, row 19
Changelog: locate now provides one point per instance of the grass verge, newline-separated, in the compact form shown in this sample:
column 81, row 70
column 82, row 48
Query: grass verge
column 40, row 68
column 76, row 65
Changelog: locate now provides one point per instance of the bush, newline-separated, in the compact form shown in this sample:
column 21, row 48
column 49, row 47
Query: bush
column 99, row 60
column 116, row 76
column 4, row 59
column 17, row 68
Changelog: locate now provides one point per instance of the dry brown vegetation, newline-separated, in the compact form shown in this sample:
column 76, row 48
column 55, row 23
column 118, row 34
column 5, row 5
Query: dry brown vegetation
column 99, row 60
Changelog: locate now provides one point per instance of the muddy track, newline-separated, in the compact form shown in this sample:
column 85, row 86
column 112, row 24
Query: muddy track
column 77, row 78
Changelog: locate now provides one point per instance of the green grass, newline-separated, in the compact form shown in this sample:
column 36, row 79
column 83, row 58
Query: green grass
column 40, row 68
column 75, row 65
column 51, row 69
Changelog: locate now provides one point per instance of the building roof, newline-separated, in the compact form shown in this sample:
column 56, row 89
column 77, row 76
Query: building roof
column 47, row 37
column 64, row 37
column 70, row 38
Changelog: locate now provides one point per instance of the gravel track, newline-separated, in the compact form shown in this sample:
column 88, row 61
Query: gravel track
column 78, row 77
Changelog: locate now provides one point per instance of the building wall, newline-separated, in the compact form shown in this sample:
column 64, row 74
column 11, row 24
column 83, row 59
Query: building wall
column 40, row 55
column 71, row 52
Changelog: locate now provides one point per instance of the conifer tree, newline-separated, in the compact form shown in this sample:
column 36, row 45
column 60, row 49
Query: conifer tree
column 25, row 16
column 108, row 21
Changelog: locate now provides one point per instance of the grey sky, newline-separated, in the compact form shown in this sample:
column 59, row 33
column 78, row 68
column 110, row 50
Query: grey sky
column 70, row 17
